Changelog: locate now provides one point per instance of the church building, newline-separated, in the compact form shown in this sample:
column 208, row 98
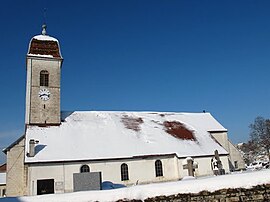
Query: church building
column 62, row 152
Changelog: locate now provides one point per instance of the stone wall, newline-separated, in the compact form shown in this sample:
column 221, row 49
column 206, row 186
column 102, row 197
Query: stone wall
column 39, row 111
column 16, row 171
column 257, row 193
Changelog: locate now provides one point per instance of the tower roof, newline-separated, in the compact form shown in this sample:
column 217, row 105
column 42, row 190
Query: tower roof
column 44, row 46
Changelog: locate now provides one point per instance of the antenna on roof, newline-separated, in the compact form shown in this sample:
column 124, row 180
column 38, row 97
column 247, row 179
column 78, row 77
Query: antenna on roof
column 44, row 26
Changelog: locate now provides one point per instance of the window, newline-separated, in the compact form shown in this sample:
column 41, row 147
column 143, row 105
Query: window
column 158, row 167
column 85, row 169
column 235, row 164
column 124, row 172
column 44, row 78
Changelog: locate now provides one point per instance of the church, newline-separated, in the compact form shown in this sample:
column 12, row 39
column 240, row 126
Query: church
column 63, row 152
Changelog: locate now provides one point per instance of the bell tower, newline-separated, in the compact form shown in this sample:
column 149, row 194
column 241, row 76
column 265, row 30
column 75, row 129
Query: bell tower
column 43, row 64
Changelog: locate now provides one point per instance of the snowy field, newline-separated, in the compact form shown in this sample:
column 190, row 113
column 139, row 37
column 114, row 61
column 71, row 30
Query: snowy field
column 188, row 185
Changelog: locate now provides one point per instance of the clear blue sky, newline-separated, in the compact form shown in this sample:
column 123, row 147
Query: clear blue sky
column 184, row 56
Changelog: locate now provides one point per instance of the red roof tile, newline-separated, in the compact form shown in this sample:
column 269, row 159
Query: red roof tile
column 38, row 47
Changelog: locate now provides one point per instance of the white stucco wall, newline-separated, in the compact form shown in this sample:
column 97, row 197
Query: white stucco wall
column 140, row 171
column 204, row 166
column 222, row 138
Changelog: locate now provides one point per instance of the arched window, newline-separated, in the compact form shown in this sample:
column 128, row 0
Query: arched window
column 44, row 78
column 85, row 169
column 158, row 167
column 124, row 172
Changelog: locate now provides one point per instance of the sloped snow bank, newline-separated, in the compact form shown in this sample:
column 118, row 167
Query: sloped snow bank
column 213, row 183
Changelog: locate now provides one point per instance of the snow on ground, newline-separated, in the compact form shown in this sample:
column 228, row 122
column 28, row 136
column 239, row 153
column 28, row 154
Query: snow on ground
column 189, row 185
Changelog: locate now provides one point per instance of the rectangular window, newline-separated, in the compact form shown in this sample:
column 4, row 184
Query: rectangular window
column 44, row 78
column 235, row 164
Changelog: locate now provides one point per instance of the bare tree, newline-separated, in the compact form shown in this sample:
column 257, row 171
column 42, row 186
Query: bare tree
column 249, row 152
column 267, row 136
column 260, row 134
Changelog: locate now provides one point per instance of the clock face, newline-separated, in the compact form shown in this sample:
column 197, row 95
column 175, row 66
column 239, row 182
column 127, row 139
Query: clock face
column 44, row 94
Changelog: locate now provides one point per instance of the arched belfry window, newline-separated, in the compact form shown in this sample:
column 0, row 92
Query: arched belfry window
column 158, row 168
column 85, row 169
column 44, row 78
column 124, row 172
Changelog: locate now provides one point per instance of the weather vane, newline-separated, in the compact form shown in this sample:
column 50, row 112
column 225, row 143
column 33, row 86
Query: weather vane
column 44, row 26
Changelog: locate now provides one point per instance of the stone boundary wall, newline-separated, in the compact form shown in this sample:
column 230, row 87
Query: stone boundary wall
column 257, row 193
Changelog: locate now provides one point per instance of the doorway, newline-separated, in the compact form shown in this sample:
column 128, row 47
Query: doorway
column 45, row 186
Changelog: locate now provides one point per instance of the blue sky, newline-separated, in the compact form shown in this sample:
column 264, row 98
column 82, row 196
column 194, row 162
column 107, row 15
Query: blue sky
column 183, row 56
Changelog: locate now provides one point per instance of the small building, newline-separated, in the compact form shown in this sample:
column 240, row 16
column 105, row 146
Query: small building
column 59, row 150
column 236, row 161
column 2, row 180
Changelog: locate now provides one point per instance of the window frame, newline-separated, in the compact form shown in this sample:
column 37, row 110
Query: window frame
column 158, row 168
column 44, row 78
column 124, row 172
column 85, row 169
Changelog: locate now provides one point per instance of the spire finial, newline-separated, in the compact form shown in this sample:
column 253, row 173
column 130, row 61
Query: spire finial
column 44, row 26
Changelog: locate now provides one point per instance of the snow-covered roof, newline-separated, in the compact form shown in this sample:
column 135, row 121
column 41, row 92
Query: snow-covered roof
column 42, row 37
column 2, row 178
column 92, row 135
